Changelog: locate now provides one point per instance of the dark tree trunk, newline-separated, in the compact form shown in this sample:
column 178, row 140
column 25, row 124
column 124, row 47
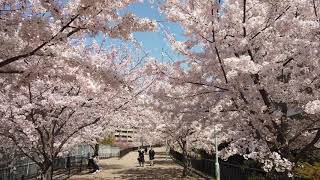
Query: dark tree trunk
column 96, row 150
column 47, row 172
column 185, row 171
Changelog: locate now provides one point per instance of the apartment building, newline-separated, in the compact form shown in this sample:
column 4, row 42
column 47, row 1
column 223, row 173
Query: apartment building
column 124, row 135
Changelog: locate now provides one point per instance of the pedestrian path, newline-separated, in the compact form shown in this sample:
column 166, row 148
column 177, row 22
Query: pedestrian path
column 127, row 168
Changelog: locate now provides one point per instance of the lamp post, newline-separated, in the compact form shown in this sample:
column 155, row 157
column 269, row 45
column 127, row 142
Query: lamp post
column 141, row 141
column 217, row 166
column 167, row 149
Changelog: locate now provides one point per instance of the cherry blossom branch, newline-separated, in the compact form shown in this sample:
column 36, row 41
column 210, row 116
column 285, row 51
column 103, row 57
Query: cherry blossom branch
column 38, row 130
column 308, row 146
column 64, row 123
column 34, row 123
column 93, row 122
column 73, row 133
column 306, row 128
column 137, row 94
column 194, row 95
column 313, row 129
column 42, row 138
column 203, row 84
column 243, row 97
column 269, row 24
column 244, row 18
column 217, row 51
column 315, row 10
column 11, row 72
column 288, row 61
column 16, row 58
column 195, row 83
column 20, row 148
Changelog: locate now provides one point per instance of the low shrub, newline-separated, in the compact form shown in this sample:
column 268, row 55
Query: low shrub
column 307, row 170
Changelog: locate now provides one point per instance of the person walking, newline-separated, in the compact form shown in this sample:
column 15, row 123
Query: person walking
column 139, row 161
column 141, row 157
column 151, row 156
column 92, row 163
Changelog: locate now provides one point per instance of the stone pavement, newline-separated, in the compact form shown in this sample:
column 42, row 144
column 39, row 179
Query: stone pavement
column 127, row 168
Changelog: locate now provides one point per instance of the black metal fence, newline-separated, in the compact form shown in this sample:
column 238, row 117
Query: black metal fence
column 24, row 168
column 228, row 171
column 32, row 170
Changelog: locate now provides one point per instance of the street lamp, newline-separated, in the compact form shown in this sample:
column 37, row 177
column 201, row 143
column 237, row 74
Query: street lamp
column 141, row 141
column 167, row 149
column 217, row 166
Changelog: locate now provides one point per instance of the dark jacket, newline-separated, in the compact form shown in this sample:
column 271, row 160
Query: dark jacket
column 141, row 156
column 151, row 154
column 92, row 164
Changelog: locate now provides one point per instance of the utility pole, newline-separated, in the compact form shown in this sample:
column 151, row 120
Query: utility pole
column 141, row 141
column 127, row 136
column 217, row 157
column 167, row 149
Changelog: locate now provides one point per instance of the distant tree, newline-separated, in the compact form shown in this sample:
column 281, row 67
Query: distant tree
column 110, row 140
column 58, row 90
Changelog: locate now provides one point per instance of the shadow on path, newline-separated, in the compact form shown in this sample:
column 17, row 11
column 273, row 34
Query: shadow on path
column 127, row 168
column 162, row 157
column 161, row 154
column 111, row 166
column 163, row 163
column 152, row 173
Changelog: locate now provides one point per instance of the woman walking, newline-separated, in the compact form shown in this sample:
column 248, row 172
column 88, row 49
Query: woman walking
column 141, row 157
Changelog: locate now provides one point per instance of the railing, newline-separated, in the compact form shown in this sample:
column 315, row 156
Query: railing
column 63, row 165
column 32, row 170
column 227, row 171
column 106, row 152
column 78, row 160
column 125, row 151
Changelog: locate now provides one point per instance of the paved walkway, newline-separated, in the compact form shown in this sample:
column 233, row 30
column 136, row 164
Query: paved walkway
column 128, row 168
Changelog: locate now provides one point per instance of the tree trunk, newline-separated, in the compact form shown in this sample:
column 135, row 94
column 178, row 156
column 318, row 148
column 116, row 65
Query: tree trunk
column 47, row 173
column 185, row 159
column 96, row 150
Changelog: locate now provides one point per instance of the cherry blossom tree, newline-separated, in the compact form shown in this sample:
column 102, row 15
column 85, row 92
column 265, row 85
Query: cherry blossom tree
column 29, row 29
column 258, row 62
column 184, row 117
column 54, row 103
column 56, row 88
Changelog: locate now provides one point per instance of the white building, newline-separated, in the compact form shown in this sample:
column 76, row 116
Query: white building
column 124, row 135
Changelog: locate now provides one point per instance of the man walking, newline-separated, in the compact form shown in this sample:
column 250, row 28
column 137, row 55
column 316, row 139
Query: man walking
column 151, row 156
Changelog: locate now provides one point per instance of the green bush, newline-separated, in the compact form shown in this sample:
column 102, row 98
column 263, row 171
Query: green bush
column 308, row 170
column 108, row 140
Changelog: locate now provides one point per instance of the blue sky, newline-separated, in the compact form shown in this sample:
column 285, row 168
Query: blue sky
column 154, row 43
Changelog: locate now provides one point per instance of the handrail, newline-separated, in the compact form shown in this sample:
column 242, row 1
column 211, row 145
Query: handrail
column 124, row 152
column 228, row 170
